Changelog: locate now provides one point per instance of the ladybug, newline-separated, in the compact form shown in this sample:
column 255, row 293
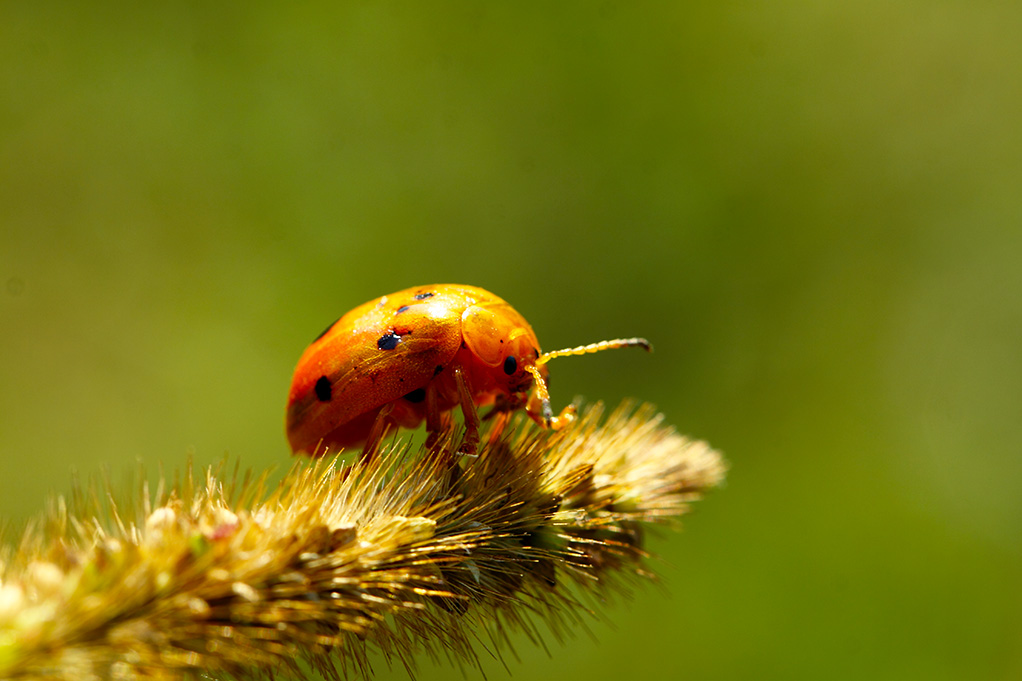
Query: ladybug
column 415, row 355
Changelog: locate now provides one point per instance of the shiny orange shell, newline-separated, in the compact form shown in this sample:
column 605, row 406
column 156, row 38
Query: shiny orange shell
column 385, row 353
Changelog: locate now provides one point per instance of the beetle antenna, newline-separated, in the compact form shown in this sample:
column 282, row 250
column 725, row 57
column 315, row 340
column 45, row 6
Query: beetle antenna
column 596, row 347
column 542, row 394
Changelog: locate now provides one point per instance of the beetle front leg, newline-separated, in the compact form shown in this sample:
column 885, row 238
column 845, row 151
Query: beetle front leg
column 538, row 405
column 503, row 408
column 500, row 421
column 565, row 418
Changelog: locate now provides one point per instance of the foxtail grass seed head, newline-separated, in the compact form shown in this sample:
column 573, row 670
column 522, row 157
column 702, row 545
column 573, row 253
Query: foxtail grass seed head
column 402, row 554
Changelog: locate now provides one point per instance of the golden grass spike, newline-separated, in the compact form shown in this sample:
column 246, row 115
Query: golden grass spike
column 407, row 555
column 596, row 347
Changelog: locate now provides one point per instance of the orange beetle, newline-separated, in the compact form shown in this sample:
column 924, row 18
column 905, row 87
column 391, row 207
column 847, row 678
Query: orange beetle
column 414, row 355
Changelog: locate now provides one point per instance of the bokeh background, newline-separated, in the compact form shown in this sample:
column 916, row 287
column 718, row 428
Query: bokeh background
column 814, row 210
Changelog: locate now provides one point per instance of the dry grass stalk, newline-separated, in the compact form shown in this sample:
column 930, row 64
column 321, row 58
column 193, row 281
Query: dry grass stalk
column 403, row 554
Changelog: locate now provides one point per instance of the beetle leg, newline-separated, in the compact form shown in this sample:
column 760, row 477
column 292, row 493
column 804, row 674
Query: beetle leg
column 538, row 404
column 565, row 418
column 500, row 421
column 434, row 419
column 500, row 404
column 500, row 414
column 379, row 429
column 468, row 408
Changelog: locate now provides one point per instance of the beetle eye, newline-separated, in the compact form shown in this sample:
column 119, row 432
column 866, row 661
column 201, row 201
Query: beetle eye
column 510, row 365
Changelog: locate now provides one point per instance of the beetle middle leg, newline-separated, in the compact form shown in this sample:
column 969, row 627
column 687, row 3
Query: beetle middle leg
column 381, row 426
column 436, row 423
column 471, row 440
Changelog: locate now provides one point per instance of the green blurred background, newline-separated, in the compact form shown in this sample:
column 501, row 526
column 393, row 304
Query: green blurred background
column 814, row 211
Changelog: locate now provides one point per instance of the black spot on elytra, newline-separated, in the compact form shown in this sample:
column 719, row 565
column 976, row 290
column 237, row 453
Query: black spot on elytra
column 438, row 369
column 327, row 329
column 388, row 341
column 510, row 365
column 403, row 308
column 423, row 296
column 324, row 391
column 416, row 396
